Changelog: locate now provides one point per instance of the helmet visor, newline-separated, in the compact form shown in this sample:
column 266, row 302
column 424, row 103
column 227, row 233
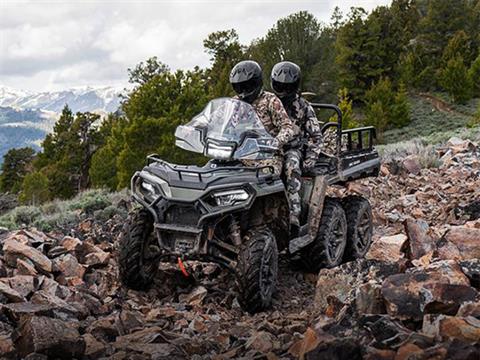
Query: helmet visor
column 284, row 88
column 246, row 87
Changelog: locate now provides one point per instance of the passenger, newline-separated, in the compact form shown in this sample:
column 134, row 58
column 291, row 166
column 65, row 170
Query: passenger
column 247, row 81
column 305, row 149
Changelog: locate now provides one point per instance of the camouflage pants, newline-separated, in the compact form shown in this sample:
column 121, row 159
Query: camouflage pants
column 292, row 169
column 275, row 162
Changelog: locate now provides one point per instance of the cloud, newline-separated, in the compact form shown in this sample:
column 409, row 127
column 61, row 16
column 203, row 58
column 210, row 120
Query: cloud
column 52, row 44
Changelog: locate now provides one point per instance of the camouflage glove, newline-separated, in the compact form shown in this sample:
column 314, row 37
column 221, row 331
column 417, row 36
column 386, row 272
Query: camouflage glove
column 309, row 163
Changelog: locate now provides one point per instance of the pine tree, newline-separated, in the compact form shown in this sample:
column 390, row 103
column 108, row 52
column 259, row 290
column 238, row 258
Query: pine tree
column 34, row 189
column 455, row 80
column 16, row 164
column 474, row 75
column 401, row 107
column 346, row 106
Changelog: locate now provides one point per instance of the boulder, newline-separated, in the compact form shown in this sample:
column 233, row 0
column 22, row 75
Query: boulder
column 10, row 294
column 69, row 266
column 466, row 240
column 18, row 311
column 26, row 267
column 52, row 337
column 97, row 258
column 387, row 248
column 369, row 299
column 24, row 284
column 419, row 242
column 14, row 249
column 443, row 327
column 438, row 288
column 412, row 165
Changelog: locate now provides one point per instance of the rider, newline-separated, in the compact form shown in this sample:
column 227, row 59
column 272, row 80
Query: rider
column 285, row 82
column 247, row 81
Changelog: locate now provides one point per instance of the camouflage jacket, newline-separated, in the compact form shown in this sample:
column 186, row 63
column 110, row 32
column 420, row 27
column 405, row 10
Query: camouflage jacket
column 271, row 112
column 303, row 115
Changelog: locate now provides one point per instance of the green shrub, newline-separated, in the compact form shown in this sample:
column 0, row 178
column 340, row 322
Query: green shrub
column 25, row 215
column 90, row 201
column 60, row 221
column 109, row 212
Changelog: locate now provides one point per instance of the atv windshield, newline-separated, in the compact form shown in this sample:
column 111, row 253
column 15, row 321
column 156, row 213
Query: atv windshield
column 227, row 129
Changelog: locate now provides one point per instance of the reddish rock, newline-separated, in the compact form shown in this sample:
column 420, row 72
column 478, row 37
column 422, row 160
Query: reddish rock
column 26, row 267
column 7, row 347
column 70, row 243
column 369, row 299
column 195, row 297
column 412, row 165
column 97, row 258
column 10, row 294
column 94, row 349
column 387, row 248
column 469, row 309
column 419, row 242
column 69, row 266
column 19, row 311
column 52, row 337
column 14, row 249
column 24, row 284
column 443, row 327
column 262, row 341
column 439, row 288
column 466, row 240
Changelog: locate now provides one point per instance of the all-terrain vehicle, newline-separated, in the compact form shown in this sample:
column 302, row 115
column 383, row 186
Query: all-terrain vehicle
column 236, row 215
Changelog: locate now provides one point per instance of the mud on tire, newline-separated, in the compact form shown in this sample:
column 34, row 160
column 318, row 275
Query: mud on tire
column 137, row 269
column 329, row 246
column 359, row 226
column 257, row 270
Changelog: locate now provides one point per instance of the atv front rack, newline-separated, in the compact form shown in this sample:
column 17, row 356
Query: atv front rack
column 200, row 172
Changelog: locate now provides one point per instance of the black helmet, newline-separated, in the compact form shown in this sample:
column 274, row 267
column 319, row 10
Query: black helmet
column 246, row 80
column 285, row 79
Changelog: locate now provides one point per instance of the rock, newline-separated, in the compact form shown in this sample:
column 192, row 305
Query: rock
column 459, row 350
column 97, row 258
column 7, row 346
column 70, row 244
column 52, row 337
column 466, row 240
column 457, row 145
column 387, row 248
column 18, row 311
column 412, row 165
column 45, row 298
column 443, row 327
column 13, row 249
column 26, row 267
column 342, row 281
column 469, row 309
column 379, row 354
column 104, row 328
column 471, row 268
column 10, row 294
column 369, row 299
column 195, row 297
column 94, row 349
column 69, row 266
column 24, row 284
column 439, row 288
column 130, row 320
column 262, row 341
column 419, row 243
column 3, row 269
column 389, row 333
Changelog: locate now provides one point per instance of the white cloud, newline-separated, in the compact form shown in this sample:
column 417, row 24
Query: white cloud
column 52, row 44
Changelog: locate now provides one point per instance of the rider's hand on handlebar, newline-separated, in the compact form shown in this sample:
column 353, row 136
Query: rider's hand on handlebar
column 309, row 163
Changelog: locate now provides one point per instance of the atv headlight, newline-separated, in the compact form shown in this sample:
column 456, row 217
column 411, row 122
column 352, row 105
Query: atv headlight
column 230, row 197
column 148, row 190
column 217, row 151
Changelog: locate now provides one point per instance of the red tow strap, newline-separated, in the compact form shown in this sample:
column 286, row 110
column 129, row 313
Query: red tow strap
column 182, row 267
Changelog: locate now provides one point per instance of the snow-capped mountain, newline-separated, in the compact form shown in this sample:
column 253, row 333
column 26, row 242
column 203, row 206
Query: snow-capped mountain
column 95, row 99
column 27, row 117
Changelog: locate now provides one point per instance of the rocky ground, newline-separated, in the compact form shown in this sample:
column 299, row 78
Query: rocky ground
column 415, row 296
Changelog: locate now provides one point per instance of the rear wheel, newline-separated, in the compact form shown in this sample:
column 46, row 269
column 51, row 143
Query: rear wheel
column 257, row 270
column 137, row 260
column 329, row 246
column 359, row 226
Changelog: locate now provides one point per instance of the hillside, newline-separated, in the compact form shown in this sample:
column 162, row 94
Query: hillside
column 426, row 238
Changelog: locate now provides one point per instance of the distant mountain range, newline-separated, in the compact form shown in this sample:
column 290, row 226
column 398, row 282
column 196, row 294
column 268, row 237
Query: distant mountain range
column 26, row 117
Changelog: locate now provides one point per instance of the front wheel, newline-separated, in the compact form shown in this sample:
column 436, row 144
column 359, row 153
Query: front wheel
column 257, row 269
column 137, row 263
column 329, row 246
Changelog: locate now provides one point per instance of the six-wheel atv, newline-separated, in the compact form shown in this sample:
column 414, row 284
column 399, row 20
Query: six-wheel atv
column 237, row 216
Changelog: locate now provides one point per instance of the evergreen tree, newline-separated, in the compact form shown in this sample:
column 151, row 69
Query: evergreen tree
column 225, row 51
column 16, row 164
column 346, row 105
column 474, row 75
column 401, row 107
column 455, row 80
column 34, row 189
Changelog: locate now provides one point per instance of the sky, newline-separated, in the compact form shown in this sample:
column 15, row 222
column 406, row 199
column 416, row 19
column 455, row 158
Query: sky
column 53, row 45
